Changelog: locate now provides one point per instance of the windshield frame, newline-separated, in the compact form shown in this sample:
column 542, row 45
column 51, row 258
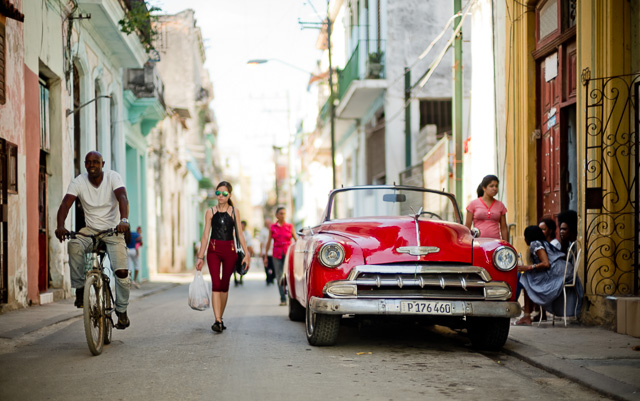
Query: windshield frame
column 327, row 212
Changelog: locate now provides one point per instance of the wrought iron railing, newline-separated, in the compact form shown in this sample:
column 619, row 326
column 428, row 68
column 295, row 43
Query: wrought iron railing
column 366, row 62
column 611, row 200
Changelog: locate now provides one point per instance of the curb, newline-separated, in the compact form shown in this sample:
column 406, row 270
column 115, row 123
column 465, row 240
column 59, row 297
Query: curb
column 576, row 373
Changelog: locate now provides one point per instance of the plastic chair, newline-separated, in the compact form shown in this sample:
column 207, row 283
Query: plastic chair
column 572, row 283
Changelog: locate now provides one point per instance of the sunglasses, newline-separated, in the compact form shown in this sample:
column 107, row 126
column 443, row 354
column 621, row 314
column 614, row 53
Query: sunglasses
column 223, row 193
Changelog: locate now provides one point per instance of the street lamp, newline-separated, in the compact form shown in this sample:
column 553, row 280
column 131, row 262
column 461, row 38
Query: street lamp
column 258, row 61
column 331, row 96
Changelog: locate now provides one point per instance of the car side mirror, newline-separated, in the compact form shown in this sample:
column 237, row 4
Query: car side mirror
column 475, row 232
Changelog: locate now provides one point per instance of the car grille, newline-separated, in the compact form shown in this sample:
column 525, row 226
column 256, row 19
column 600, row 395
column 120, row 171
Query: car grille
column 441, row 286
column 420, row 281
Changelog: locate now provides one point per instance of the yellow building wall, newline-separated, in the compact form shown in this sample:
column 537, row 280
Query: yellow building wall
column 521, row 100
column 604, row 46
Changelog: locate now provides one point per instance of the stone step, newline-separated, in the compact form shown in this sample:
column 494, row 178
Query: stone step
column 52, row 295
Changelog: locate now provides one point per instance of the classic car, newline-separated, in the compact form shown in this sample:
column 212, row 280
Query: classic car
column 400, row 250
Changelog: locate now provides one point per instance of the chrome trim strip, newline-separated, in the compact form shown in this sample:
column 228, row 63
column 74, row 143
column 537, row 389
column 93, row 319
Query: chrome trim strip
column 343, row 306
column 398, row 283
column 416, row 268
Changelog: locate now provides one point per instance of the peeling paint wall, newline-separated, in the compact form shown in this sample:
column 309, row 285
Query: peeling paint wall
column 12, row 120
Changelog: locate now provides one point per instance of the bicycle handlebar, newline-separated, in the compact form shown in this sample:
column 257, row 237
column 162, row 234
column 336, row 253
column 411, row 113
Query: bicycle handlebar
column 109, row 231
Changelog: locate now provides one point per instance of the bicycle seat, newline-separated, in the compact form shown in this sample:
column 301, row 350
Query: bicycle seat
column 102, row 247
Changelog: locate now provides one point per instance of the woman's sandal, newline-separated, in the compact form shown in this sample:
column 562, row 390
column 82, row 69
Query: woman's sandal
column 523, row 321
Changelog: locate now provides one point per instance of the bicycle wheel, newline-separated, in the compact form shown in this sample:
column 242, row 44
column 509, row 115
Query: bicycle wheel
column 93, row 314
column 108, row 318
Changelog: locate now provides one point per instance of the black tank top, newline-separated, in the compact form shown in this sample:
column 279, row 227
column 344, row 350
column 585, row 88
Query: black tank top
column 222, row 226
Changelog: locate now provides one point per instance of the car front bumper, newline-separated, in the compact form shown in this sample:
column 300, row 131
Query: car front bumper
column 331, row 306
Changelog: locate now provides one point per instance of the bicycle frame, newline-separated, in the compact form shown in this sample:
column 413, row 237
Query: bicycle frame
column 99, row 303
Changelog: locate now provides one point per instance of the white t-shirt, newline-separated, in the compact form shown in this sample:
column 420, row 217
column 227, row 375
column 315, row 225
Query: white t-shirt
column 101, row 209
column 264, row 237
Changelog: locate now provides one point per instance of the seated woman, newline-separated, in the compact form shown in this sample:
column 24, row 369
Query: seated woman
column 544, row 279
column 548, row 227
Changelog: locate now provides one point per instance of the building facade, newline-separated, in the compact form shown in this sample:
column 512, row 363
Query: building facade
column 65, row 98
column 182, row 158
column 572, row 137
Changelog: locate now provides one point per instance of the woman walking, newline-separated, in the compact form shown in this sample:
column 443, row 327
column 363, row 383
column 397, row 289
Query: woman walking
column 281, row 232
column 486, row 213
column 219, row 225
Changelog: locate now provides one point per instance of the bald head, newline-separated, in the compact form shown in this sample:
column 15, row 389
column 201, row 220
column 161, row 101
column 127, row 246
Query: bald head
column 93, row 154
column 93, row 163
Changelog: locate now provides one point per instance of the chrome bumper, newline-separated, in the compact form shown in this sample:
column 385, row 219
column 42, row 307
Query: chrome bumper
column 392, row 307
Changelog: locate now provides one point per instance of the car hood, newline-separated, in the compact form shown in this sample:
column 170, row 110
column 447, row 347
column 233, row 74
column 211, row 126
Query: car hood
column 391, row 239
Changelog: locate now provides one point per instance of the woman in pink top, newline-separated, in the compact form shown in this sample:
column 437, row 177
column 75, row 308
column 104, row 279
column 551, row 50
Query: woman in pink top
column 488, row 214
column 281, row 233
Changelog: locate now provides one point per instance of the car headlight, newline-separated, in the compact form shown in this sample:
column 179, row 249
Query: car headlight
column 505, row 258
column 331, row 254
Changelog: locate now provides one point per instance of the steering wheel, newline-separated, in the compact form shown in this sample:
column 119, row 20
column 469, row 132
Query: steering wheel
column 431, row 214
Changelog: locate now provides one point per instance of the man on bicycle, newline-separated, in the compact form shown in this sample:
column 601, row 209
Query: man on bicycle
column 105, row 204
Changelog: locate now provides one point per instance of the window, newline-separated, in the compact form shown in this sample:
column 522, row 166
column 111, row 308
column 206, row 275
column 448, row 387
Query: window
column 548, row 20
column 3, row 93
column 9, row 155
column 438, row 113
column 44, row 116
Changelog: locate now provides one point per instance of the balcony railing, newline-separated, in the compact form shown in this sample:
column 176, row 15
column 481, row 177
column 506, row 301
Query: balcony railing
column 366, row 62
column 324, row 111
column 145, row 82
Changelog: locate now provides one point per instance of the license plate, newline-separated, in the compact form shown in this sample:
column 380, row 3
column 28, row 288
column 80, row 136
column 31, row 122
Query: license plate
column 426, row 307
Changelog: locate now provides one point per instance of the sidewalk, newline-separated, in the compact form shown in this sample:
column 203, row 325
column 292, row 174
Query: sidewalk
column 17, row 323
column 600, row 359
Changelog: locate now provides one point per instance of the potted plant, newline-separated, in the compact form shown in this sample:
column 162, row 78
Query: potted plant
column 375, row 64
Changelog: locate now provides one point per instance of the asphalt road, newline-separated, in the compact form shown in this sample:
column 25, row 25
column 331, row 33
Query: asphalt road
column 170, row 353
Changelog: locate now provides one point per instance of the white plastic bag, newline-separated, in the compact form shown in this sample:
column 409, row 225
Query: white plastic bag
column 199, row 293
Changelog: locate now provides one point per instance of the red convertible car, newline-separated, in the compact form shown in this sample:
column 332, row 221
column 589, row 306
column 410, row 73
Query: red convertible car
column 399, row 250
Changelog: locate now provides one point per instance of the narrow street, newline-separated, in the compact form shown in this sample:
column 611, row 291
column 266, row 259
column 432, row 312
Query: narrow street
column 170, row 352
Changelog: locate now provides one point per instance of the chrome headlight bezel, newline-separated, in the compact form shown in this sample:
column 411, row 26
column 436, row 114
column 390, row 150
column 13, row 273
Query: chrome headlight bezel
column 505, row 258
column 331, row 254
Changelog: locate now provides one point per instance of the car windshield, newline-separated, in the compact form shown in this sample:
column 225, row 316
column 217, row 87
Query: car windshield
column 392, row 201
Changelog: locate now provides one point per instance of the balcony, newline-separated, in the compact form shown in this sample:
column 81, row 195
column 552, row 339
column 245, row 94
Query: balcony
column 144, row 95
column 362, row 80
column 126, row 50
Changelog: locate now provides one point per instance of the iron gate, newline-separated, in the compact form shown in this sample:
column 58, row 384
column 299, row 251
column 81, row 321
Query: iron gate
column 611, row 198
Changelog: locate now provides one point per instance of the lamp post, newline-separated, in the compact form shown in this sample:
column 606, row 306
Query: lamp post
column 332, row 111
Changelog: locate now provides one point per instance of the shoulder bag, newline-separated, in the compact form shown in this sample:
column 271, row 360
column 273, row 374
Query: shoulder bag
column 240, row 267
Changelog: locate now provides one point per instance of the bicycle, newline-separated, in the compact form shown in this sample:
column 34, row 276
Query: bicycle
column 98, row 298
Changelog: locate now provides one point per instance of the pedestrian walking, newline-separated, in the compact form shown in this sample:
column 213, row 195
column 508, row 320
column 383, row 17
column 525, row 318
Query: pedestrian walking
column 133, row 254
column 218, row 243
column 281, row 233
column 269, row 270
column 486, row 213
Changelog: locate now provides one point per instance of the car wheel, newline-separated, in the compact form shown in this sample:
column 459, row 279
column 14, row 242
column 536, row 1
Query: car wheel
column 296, row 311
column 321, row 329
column 489, row 333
